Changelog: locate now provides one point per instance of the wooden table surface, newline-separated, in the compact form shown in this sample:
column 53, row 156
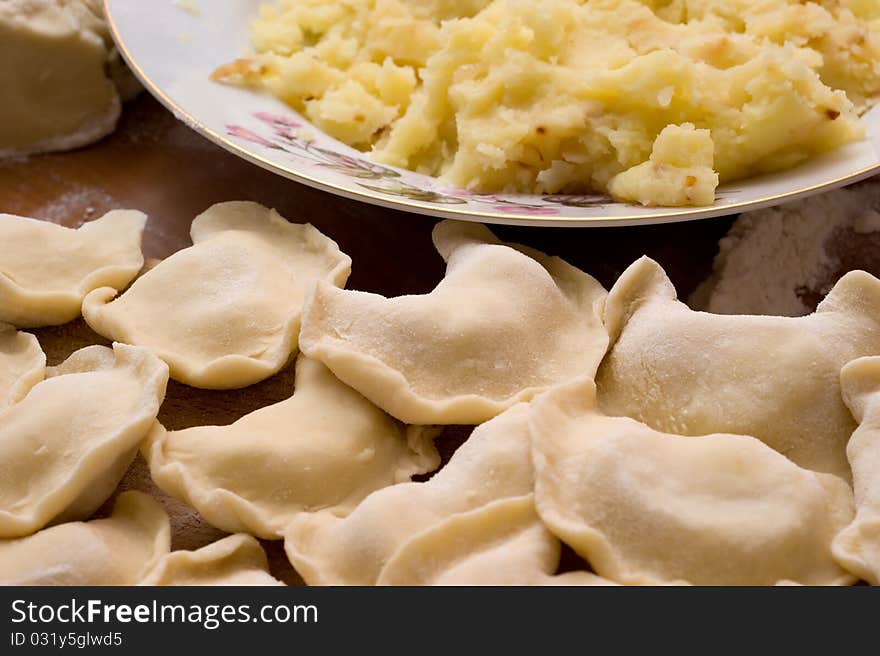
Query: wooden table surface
column 157, row 165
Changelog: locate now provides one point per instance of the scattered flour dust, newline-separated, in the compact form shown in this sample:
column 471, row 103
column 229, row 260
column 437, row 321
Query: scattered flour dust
column 75, row 206
column 783, row 260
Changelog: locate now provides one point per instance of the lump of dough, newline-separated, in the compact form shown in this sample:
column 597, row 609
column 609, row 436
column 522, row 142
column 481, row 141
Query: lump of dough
column 22, row 365
column 119, row 550
column 326, row 447
column 857, row 547
column 56, row 79
column 503, row 325
column 235, row 560
column 678, row 172
column 90, row 14
column 495, row 463
column 46, row 270
column 501, row 543
column 224, row 313
column 66, row 445
column 776, row 378
column 648, row 508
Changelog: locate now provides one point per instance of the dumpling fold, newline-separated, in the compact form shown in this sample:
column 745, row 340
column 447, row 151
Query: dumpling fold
column 22, row 365
column 326, row 447
column 775, row 378
column 492, row 465
column 237, row 560
column 857, row 547
column 225, row 312
column 66, row 445
column 118, row 550
column 501, row 543
column 503, row 325
column 46, row 270
column 650, row 508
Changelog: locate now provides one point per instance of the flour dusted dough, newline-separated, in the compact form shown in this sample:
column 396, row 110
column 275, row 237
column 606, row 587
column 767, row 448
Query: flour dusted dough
column 22, row 365
column 224, row 313
column 57, row 77
column 46, row 270
column 501, row 543
column 646, row 507
column 777, row 261
column 857, row 547
column 495, row 463
column 505, row 323
column 776, row 378
column 234, row 560
column 119, row 550
column 65, row 446
column 326, row 447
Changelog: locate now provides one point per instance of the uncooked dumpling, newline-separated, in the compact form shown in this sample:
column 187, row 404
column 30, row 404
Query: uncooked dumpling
column 235, row 560
column 46, row 270
column 857, row 547
column 22, row 365
column 326, row 447
column 58, row 75
column 119, row 550
column 65, row 446
column 495, row 463
column 505, row 323
column 501, row 543
column 646, row 507
column 776, row 378
column 224, row 313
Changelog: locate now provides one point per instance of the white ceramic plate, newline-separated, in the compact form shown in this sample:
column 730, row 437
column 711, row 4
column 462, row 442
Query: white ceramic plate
column 174, row 49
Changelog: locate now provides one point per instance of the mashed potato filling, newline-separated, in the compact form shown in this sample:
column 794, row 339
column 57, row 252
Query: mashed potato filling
column 652, row 101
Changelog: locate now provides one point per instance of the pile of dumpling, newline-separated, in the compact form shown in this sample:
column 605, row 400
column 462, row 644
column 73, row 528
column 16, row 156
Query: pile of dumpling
column 662, row 445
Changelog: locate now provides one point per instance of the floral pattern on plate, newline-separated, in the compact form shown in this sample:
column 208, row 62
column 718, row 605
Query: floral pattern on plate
column 302, row 143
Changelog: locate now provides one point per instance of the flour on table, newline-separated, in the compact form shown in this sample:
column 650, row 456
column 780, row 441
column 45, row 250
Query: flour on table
column 783, row 260
column 75, row 206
